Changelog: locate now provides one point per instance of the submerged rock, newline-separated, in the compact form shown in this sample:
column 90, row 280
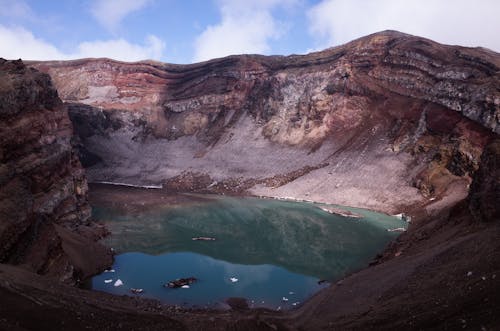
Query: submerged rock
column 181, row 282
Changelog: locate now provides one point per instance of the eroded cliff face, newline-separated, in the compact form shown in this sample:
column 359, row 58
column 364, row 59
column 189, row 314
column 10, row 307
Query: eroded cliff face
column 44, row 212
column 319, row 126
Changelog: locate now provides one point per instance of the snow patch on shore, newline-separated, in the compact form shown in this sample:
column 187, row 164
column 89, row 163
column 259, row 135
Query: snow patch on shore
column 152, row 186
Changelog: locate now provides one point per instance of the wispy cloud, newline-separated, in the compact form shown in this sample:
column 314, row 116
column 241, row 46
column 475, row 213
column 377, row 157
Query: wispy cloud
column 463, row 22
column 18, row 42
column 245, row 27
column 110, row 13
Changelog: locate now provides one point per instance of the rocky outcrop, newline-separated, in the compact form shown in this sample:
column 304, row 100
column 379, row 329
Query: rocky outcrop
column 44, row 212
column 415, row 112
column 484, row 194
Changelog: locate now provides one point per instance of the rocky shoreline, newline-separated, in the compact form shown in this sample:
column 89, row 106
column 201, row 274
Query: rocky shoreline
column 449, row 262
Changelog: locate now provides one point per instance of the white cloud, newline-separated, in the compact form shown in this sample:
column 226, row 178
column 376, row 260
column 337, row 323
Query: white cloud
column 245, row 27
column 20, row 43
column 122, row 49
column 462, row 22
column 109, row 13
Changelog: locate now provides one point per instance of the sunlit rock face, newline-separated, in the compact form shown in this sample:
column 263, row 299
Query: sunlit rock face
column 384, row 122
column 44, row 213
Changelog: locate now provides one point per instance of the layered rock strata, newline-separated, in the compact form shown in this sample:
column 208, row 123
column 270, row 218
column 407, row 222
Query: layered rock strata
column 44, row 212
column 412, row 111
column 397, row 117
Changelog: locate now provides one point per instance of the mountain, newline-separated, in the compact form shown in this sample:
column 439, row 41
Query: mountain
column 319, row 126
column 390, row 121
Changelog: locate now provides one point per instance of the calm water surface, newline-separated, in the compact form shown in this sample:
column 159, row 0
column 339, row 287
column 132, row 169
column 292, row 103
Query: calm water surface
column 277, row 250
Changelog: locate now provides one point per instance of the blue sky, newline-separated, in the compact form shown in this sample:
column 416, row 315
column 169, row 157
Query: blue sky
column 186, row 31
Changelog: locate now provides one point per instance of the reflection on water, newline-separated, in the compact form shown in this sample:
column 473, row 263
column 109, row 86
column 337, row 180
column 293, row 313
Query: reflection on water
column 262, row 285
column 272, row 247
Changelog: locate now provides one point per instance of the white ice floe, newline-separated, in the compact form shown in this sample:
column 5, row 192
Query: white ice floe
column 397, row 230
column 291, row 292
column 295, row 303
column 185, row 286
column 118, row 283
column 233, row 279
column 109, row 270
column 107, row 281
column 284, row 299
column 131, row 185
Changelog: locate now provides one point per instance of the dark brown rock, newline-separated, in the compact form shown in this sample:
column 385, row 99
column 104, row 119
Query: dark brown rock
column 43, row 189
column 484, row 197
column 237, row 303
column 181, row 282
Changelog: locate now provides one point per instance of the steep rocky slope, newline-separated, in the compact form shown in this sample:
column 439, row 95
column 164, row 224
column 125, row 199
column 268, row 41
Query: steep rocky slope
column 44, row 212
column 443, row 274
column 440, row 275
column 318, row 126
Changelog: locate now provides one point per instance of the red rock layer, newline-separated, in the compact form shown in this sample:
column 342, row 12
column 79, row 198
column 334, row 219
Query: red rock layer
column 383, row 122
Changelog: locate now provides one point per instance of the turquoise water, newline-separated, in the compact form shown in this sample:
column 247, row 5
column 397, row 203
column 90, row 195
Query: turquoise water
column 277, row 250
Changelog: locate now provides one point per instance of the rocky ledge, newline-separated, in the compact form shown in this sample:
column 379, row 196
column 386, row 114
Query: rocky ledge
column 45, row 216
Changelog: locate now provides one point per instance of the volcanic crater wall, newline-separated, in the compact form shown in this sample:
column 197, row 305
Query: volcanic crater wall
column 44, row 213
column 385, row 122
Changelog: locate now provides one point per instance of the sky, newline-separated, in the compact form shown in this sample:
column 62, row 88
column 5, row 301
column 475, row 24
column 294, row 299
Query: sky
column 187, row 31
